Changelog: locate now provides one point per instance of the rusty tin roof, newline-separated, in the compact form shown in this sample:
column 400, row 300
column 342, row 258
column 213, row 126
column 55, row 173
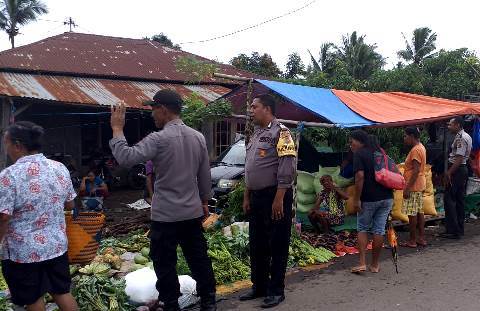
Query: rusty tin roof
column 90, row 91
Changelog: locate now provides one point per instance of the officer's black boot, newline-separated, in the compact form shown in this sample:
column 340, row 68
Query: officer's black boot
column 208, row 303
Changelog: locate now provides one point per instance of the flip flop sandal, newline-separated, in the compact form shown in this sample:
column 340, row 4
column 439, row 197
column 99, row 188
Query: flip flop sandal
column 359, row 269
column 422, row 244
column 372, row 270
column 406, row 244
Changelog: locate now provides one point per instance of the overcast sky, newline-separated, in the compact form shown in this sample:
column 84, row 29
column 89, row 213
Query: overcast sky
column 456, row 23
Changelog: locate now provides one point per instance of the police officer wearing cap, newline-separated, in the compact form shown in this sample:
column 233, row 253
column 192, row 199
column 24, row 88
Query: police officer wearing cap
column 456, row 180
column 182, row 189
column 269, row 174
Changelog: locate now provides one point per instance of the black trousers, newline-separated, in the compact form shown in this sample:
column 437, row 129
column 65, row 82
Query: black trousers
column 269, row 241
column 165, row 237
column 454, row 201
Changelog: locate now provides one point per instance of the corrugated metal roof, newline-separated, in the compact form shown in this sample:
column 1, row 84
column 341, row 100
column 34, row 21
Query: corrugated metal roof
column 93, row 55
column 89, row 91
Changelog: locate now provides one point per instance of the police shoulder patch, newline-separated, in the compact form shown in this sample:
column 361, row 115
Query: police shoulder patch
column 285, row 145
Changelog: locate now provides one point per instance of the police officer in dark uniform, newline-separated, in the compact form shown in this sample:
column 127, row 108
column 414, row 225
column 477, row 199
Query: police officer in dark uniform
column 269, row 174
column 456, row 180
column 182, row 189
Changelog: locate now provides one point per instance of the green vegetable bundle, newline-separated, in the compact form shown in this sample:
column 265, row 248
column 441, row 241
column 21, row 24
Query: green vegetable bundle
column 182, row 266
column 98, row 293
column 133, row 242
column 302, row 254
column 227, row 267
column 96, row 269
column 234, row 207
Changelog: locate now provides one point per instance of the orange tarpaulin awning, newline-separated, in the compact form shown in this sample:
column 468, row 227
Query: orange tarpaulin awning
column 402, row 108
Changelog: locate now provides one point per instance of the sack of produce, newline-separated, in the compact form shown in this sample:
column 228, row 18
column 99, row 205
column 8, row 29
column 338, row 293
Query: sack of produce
column 343, row 182
column 332, row 171
column 428, row 176
column 429, row 205
column 306, row 198
column 397, row 213
column 316, row 183
column 304, row 208
column 351, row 191
column 305, row 182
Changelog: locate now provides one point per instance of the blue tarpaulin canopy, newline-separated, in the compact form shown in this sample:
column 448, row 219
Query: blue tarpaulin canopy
column 352, row 109
column 319, row 101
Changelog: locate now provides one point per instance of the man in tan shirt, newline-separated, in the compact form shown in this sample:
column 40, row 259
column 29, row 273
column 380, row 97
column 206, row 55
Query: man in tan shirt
column 269, row 175
column 415, row 186
column 182, row 189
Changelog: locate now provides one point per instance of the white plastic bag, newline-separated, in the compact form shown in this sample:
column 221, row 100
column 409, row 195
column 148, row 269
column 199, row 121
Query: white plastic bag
column 140, row 286
column 188, row 288
column 235, row 228
column 473, row 185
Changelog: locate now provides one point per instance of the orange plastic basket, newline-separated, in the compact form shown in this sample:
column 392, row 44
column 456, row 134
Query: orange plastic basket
column 84, row 233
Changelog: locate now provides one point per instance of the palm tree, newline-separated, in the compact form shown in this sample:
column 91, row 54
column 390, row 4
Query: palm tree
column 360, row 58
column 15, row 13
column 326, row 59
column 421, row 47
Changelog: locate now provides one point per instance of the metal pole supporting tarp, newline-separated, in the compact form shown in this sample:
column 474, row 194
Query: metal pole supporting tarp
column 293, row 122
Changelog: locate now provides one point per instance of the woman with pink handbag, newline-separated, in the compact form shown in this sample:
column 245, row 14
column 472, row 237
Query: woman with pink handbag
column 373, row 200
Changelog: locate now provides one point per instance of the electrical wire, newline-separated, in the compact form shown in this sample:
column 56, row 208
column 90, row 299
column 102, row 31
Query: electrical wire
column 51, row 30
column 252, row 26
column 85, row 29
column 49, row 20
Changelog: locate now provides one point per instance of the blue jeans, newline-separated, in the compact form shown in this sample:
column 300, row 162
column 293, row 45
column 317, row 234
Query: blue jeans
column 373, row 216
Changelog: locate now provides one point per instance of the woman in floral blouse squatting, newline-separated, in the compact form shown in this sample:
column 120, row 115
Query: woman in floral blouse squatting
column 34, row 192
column 329, row 209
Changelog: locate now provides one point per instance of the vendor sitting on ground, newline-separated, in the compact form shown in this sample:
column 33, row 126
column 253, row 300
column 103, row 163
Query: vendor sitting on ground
column 329, row 208
column 93, row 186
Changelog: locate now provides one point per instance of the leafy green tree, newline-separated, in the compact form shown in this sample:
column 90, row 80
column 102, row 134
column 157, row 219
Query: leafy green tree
column 163, row 39
column 295, row 67
column 361, row 58
column 448, row 74
column 260, row 64
column 421, row 47
column 409, row 79
column 195, row 111
column 194, row 69
column 16, row 13
column 454, row 73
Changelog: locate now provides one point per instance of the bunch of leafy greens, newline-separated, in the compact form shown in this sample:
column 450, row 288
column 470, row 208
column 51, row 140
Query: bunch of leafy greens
column 234, row 207
column 98, row 293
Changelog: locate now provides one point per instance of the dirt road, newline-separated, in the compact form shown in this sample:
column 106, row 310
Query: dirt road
column 443, row 276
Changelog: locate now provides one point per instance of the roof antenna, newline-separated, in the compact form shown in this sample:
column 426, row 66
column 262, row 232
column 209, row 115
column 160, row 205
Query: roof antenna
column 70, row 23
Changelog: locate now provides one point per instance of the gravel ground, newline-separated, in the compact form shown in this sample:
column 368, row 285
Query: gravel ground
column 442, row 276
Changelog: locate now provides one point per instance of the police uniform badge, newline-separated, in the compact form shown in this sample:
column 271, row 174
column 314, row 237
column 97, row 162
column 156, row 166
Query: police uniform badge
column 286, row 145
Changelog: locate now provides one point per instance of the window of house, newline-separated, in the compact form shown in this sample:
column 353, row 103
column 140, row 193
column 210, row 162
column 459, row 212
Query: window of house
column 222, row 136
column 240, row 128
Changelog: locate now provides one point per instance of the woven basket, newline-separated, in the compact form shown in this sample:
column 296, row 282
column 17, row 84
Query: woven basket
column 84, row 234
